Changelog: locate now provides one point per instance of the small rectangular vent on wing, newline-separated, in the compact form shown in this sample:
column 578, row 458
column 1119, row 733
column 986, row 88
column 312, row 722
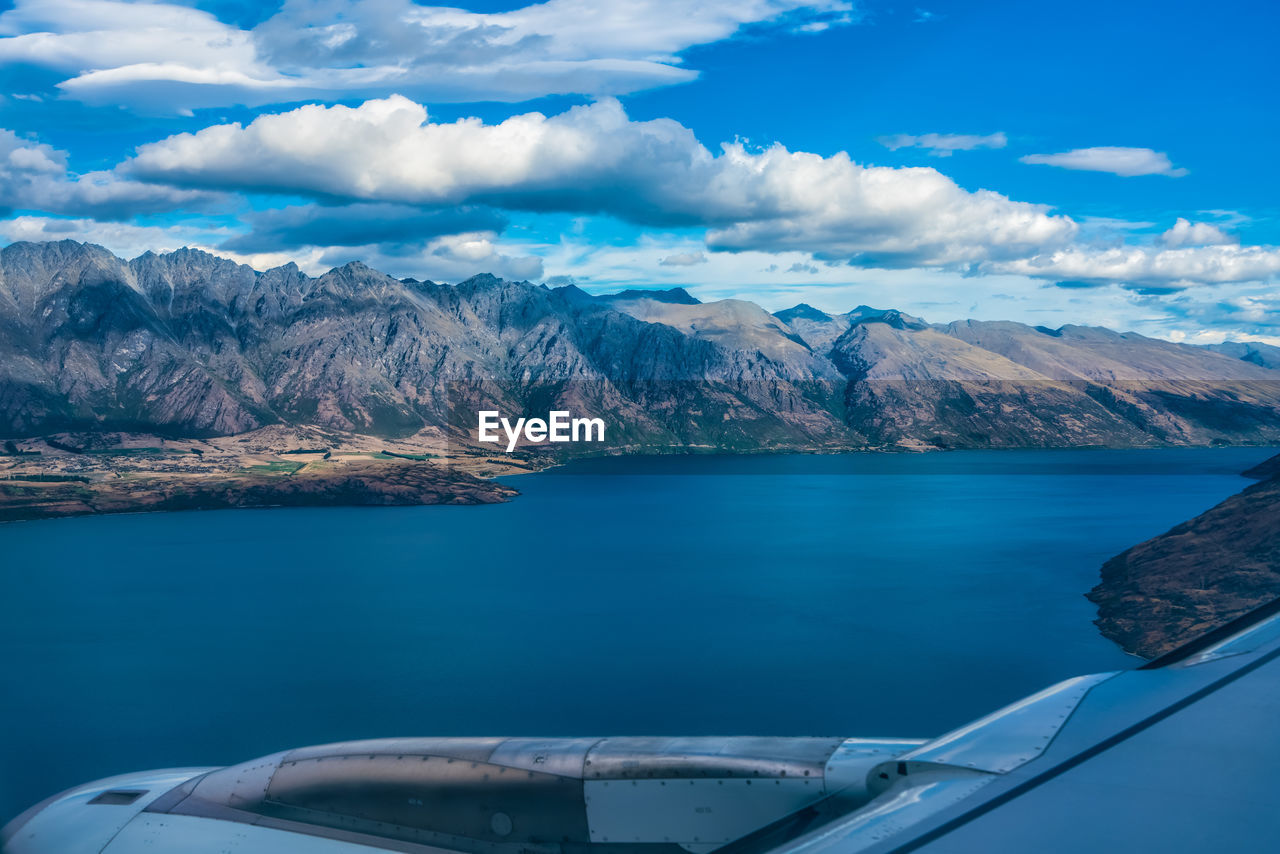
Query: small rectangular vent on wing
column 118, row 797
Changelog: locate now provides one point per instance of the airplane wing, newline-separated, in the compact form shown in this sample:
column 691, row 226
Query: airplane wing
column 1179, row 755
column 1175, row 756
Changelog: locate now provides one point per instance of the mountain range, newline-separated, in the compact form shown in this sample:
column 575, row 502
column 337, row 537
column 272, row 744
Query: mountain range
column 189, row 344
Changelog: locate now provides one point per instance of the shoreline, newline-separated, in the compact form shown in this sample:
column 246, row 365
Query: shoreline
column 1199, row 574
column 142, row 473
column 368, row 484
column 1149, row 598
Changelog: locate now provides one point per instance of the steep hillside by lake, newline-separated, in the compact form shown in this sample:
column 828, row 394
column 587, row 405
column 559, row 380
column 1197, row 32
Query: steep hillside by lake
column 1198, row 575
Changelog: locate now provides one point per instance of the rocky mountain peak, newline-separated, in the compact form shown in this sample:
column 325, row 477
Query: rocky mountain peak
column 891, row 317
column 573, row 294
column 30, row 272
column 802, row 311
column 671, row 296
column 187, row 341
column 482, row 280
column 63, row 257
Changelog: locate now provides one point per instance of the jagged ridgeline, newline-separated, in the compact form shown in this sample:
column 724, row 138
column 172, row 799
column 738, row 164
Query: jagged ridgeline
column 190, row 344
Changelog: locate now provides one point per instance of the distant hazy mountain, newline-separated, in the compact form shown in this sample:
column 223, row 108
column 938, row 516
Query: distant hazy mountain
column 1250, row 351
column 187, row 343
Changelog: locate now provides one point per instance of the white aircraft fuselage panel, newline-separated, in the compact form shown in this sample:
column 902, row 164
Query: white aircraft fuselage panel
column 1177, row 756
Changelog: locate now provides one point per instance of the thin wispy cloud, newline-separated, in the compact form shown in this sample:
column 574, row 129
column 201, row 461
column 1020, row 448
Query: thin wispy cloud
column 166, row 58
column 943, row 144
column 683, row 259
column 1125, row 162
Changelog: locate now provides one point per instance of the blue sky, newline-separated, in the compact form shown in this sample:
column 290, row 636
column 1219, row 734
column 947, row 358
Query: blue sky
column 1093, row 163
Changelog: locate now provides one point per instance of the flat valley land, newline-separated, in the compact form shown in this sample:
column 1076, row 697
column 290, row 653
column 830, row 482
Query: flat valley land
column 73, row 474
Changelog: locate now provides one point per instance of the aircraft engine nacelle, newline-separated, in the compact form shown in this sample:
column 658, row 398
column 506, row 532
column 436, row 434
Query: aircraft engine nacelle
column 474, row 795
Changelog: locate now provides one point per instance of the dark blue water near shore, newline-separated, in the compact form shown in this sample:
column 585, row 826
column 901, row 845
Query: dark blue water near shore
column 861, row 594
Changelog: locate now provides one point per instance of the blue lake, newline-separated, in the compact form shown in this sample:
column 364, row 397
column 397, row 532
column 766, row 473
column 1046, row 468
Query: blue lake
column 864, row 594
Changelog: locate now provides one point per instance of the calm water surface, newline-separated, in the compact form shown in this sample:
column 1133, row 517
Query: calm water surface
column 851, row 595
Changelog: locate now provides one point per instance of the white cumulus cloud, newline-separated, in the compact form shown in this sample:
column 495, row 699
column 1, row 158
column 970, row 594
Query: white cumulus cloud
column 124, row 239
column 1118, row 160
column 594, row 159
column 1187, row 233
column 1149, row 267
column 35, row 176
column 450, row 258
